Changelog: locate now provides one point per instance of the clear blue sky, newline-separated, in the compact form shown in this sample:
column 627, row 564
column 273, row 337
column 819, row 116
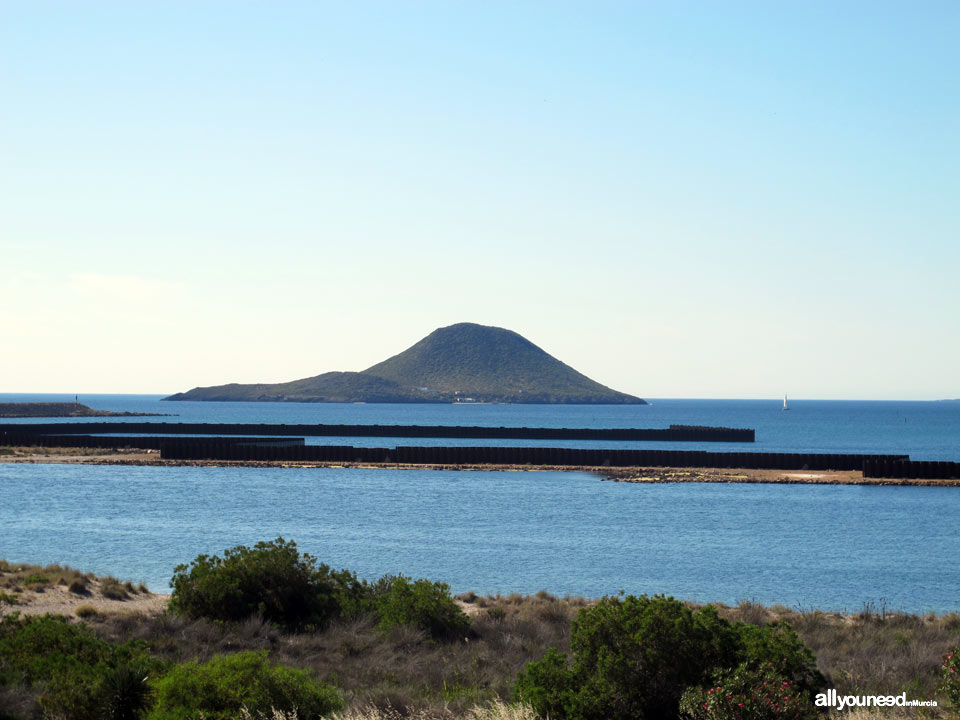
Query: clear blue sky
column 679, row 199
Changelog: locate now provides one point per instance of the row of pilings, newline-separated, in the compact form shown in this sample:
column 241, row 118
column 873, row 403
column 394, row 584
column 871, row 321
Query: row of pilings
column 272, row 447
column 224, row 449
column 675, row 433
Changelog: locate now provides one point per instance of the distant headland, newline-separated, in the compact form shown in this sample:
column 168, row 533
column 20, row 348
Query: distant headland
column 61, row 409
column 462, row 363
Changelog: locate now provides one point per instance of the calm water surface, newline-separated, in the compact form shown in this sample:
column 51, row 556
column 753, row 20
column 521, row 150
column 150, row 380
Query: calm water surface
column 829, row 547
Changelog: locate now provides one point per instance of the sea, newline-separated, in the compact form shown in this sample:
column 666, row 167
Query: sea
column 835, row 548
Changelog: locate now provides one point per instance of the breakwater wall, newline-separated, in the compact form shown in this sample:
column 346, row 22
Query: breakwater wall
column 294, row 449
column 148, row 442
column 675, row 433
column 910, row 469
column 226, row 449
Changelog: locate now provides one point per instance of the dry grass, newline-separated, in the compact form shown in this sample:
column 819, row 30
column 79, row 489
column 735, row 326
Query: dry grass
column 113, row 589
column 274, row 715
column 407, row 675
column 403, row 672
column 870, row 653
column 86, row 611
column 37, row 578
column 497, row 710
column 885, row 714
column 20, row 577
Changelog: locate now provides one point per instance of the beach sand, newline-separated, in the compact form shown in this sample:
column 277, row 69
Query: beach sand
column 58, row 600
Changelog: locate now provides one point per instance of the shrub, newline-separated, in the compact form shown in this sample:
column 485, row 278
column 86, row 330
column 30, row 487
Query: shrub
column 35, row 649
column 634, row 658
column 68, row 664
column 419, row 603
column 551, row 687
column 220, row 688
column 78, row 586
column 950, row 679
column 113, row 589
column 125, row 692
column 272, row 580
column 778, row 649
column 748, row 694
column 85, row 611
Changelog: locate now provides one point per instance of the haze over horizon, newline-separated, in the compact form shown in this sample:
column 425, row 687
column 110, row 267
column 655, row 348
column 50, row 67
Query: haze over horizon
column 731, row 201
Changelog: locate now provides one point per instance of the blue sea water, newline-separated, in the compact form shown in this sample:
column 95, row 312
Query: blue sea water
column 829, row 547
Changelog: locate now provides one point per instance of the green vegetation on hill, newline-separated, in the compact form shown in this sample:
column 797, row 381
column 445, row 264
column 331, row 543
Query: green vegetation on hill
column 491, row 364
column 459, row 363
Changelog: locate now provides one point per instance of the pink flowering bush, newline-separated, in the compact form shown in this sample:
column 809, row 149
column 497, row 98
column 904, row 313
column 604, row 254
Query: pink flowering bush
column 748, row 694
column 950, row 679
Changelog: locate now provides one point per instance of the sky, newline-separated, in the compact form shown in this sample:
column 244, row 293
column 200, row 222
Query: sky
column 678, row 199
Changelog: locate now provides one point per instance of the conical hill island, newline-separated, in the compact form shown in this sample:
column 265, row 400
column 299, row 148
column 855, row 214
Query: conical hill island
column 459, row 363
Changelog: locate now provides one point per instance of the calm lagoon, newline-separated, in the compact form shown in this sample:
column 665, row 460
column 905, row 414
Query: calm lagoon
column 828, row 547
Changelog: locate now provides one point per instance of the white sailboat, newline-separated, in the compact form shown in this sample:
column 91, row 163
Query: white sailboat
column 785, row 406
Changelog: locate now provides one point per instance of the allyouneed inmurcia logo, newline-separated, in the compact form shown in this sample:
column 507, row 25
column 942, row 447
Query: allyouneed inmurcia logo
column 831, row 699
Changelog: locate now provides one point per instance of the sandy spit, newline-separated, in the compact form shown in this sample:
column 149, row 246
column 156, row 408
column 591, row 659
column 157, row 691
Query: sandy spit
column 134, row 457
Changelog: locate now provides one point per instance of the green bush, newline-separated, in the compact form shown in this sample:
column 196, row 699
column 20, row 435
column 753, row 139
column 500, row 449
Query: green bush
column 272, row 580
column 420, row 603
column 125, row 692
column 278, row 583
column 950, row 679
column 221, row 687
column 634, row 657
column 748, row 693
column 70, row 667
column 551, row 687
column 778, row 649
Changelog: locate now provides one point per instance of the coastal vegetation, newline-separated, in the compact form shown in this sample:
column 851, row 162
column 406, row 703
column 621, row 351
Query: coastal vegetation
column 276, row 582
column 639, row 657
column 395, row 648
column 460, row 363
column 36, row 578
